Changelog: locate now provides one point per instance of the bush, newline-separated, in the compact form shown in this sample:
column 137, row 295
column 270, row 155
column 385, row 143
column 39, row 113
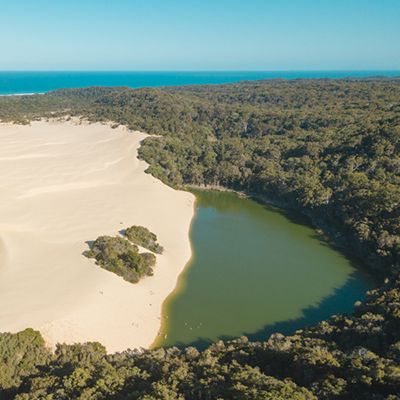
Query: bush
column 143, row 237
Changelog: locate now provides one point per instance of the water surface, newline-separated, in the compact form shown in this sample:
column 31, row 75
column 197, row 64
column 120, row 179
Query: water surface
column 18, row 82
column 254, row 272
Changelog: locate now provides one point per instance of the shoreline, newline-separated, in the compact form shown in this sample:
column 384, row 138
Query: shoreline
column 177, row 289
column 70, row 184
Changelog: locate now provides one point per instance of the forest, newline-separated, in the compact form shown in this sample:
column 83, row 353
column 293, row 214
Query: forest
column 327, row 149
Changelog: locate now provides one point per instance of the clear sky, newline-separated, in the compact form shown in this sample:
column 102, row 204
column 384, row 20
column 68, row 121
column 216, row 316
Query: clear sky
column 199, row 34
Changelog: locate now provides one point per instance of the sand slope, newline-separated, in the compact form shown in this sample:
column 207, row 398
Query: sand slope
column 63, row 184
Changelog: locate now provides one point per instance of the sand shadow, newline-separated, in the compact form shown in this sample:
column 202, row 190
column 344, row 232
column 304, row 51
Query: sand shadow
column 90, row 244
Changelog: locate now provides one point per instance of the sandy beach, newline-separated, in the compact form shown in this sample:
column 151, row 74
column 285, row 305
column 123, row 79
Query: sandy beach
column 63, row 184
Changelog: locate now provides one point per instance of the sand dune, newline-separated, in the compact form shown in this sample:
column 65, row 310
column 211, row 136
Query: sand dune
column 61, row 185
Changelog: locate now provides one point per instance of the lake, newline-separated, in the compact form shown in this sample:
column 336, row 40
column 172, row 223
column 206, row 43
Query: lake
column 254, row 271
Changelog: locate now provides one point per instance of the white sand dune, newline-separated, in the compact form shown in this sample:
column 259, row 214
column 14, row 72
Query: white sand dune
column 63, row 184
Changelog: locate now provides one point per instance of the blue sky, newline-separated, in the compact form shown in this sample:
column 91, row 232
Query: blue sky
column 200, row 35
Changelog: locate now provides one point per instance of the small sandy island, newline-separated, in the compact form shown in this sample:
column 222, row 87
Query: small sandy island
column 63, row 184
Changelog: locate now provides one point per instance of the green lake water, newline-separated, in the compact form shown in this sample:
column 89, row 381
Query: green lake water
column 254, row 272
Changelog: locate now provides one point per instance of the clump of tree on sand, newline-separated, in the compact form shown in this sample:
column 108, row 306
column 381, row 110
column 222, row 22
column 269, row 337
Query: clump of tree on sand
column 121, row 254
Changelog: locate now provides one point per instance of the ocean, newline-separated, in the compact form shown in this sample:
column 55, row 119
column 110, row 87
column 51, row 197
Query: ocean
column 12, row 82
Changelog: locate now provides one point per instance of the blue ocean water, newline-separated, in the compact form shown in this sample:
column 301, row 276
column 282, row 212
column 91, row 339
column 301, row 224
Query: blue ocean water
column 40, row 82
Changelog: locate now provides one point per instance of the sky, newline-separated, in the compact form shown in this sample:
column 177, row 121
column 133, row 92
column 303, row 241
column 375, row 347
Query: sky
column 200, row 35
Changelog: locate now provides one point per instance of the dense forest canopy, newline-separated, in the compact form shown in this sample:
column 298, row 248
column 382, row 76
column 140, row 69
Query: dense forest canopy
column 329, row 149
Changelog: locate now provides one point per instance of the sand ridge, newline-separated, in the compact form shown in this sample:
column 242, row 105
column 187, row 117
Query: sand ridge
column 63, row 184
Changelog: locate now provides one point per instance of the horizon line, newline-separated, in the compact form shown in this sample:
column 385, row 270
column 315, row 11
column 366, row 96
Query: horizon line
column 200, row 70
